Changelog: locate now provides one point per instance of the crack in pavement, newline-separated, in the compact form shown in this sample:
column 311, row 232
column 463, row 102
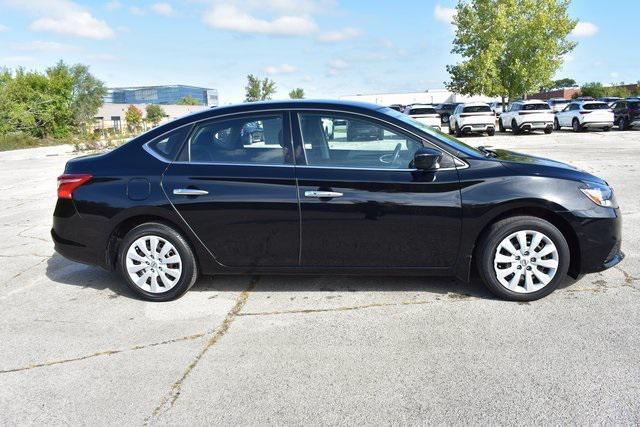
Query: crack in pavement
column 15, row 276
column 168, row 401
column 104, row 353
column 628, row 278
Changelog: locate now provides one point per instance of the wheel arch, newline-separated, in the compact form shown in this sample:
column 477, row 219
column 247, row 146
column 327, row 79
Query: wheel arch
column 543, row 213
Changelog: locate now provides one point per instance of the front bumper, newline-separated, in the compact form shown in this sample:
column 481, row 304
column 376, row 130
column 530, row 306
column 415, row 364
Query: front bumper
column 600, row 240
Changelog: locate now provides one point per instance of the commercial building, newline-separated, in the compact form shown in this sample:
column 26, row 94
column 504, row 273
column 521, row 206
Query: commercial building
column 112, row 116
column 164, row 95
column 431, row 96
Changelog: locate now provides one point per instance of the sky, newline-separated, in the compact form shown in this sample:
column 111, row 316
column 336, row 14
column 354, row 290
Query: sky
column 327, row 47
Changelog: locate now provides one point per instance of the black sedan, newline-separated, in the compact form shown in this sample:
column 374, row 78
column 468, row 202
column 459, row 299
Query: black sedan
column 196, row 197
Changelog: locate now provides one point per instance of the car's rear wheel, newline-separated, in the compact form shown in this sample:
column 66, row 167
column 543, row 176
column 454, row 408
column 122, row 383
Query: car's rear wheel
column 606, row 129
column 514, row 127
column 548, row 130
column 458, row 131
column 157, row 262
column 491, row 131
column 523, row 258
column 622, row 124
column 575, row 124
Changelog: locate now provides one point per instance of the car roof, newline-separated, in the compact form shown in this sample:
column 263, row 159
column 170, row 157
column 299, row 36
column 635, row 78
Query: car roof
column 530, row 101
column 590, row 102
column 422, row 106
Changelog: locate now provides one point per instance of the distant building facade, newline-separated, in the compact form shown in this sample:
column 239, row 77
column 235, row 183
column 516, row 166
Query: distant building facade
column 165, row 95
column 111, row 116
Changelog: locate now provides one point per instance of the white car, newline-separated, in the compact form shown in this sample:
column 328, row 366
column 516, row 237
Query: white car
column 527, row 115
column 496, row 107
column 424, row 113
column 472, row 117
column 558, row 104
column 585, row 115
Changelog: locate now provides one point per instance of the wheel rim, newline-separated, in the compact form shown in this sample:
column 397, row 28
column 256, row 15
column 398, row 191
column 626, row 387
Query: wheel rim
column 526, row 261
column 153, row 264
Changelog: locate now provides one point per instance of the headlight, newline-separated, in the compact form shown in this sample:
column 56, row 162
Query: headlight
column 599, row 194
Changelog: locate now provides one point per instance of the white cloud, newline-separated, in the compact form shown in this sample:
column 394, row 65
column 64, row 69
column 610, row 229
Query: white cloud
column 113, row 5
column 584, row 29
column 42, row 46
column 17, row 59
column 135, row 10
column 280, row 69
column 338, row 63
column 64, row 17
column 162, row 9
column 3, row 28
column 340, row 35
column 233, row 18
column 444, row 14
column 294, row 7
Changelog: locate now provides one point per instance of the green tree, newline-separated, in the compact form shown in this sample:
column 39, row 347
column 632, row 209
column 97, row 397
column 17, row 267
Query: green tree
column 593, row 89
column 133, row 117
column 188, row 100
column 617, row 89
column 560, row 83
column 87, row 95
column 155, row 114
column 297, row 93
column 508, row 47
column 259, row 90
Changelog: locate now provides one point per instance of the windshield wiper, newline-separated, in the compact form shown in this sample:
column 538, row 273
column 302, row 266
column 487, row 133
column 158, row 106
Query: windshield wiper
column 487, row 152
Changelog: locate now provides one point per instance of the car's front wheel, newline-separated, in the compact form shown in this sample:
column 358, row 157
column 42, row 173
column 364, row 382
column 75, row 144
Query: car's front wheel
column 575, row 124
column 556, row 124
column 501, row 126
column 157, row 262
column 523, row 258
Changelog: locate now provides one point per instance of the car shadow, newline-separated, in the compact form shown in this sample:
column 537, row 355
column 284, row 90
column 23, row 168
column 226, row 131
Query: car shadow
column 65, row 272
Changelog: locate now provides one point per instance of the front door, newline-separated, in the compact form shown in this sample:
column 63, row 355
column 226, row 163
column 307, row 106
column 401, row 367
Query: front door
column 237, row 190
column 362, row 205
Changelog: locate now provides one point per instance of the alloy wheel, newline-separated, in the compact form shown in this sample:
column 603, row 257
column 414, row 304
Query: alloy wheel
column 526, row 261
column 153, row 264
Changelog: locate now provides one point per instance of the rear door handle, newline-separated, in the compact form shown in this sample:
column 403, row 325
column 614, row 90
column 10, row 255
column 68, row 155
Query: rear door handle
column 189, row 192
column 322, row 194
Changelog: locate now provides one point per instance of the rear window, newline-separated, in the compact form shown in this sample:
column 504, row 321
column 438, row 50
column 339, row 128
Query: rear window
column 634, row 104
column 560, row 101
column 167, row 146
column 477, row 109
column 596, row 106
column 423, row 111
column 530, row 107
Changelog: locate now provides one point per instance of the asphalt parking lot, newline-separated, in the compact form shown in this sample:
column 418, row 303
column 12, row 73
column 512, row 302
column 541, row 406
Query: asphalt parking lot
column 78, row 348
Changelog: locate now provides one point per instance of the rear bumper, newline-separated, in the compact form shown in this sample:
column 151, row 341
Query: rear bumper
column 75, row 239
column 477, row 127
column 598, row 124
column 536, row 125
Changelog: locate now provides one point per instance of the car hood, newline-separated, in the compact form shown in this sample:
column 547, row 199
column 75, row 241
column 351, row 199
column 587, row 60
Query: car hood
column 532, row 165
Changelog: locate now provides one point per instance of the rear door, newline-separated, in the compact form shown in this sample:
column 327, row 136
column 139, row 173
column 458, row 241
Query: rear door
column 363, row 205
column 235, row 187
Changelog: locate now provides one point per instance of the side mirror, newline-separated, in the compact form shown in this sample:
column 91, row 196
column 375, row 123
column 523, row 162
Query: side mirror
column 427, row 159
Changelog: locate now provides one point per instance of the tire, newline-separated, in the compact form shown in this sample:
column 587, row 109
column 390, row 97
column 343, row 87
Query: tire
column 501, row 126
column 514, row 127
column 458, row 132
column 488, row 266
column 491, row 131
column 131, row 256
column 548, row 130
column 622, row 124
column 606, row 129
column 450, row 129
column 445, row 118
column 575, row 125
column 556, row 124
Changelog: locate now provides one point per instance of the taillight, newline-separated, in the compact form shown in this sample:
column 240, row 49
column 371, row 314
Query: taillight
column 67, row 183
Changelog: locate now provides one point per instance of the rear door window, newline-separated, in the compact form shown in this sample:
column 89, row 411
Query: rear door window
column 168, row 145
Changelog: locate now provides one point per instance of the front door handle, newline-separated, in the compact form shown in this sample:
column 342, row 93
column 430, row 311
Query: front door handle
column 189, row 192
column 322, row 194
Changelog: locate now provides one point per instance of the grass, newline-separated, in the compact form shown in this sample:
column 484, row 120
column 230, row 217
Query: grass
column 16, row 141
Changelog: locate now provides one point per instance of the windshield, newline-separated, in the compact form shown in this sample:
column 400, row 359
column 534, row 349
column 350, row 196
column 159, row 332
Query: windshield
column 449, row 140
column 541, row 106
column 596, row 106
